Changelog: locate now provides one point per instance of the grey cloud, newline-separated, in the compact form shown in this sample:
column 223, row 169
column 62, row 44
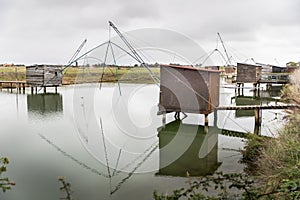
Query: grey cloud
column 52, row 22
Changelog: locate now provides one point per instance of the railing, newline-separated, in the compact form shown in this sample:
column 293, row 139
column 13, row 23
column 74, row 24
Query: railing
column 275, row 78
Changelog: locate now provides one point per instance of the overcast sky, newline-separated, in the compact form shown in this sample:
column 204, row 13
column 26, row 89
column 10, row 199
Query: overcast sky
column 50, row 31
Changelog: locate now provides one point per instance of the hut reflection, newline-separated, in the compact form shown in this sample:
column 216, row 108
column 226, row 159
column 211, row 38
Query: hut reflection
column 45, row 103
column 245, row 101
column 199, row 159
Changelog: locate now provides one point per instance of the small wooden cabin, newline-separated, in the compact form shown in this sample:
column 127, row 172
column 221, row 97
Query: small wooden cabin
column 188, row 89
column 212, row 67
column 43, row 75
column 230, row 69
column 279, row 69
column 247, row 73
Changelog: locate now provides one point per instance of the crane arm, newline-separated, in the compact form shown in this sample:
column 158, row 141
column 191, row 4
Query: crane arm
column 134, row 52
column 224, row 48
column 77, row 51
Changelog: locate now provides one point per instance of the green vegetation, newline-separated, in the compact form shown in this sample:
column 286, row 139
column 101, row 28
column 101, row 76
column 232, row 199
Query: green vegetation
column 65, row 188
column 12, row 73
column 75, row 75
column 278, row 171
column 5, row 183
column 225, row 186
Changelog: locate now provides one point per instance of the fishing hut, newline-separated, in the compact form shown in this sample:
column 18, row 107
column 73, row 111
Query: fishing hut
column 247, row 73
column 188, row 89
column 43, row 76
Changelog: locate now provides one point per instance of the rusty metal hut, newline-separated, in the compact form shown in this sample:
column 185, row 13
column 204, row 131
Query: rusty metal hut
column 247, row 73
column 43, row 76
column 188, row 89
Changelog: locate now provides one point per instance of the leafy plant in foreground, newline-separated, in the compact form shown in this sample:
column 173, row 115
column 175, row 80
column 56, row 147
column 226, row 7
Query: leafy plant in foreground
column 5, row 183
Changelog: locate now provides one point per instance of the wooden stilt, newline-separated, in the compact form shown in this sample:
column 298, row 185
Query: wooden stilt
column 205, row 119
column 215, row 118
column 23, row 86
column 257, row 119
column 205, row 129
column 164, row 119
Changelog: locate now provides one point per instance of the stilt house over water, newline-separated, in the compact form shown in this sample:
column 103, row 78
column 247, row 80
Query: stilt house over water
column 188, row 89
column 247, row 73
column 43, row 76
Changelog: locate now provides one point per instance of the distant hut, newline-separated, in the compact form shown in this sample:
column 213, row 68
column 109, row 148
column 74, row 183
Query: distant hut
column 43, row 76
column 230, row 70
column 212, row 67
column 279, row 69
column 247, row 73
column 188, row 89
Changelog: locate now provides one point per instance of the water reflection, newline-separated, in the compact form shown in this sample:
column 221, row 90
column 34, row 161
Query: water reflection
column 127, row 162
column 201, row 157
column 45, row 103
column 246, row 101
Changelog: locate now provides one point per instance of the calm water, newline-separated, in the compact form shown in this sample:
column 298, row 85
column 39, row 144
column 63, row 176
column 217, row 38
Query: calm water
column 112, row 146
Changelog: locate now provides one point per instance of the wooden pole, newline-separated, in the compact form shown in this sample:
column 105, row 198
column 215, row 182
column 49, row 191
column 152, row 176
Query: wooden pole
column 243, row 85
column 23, row 85
column 205, row 129
column 164, row 119
column 205, row 119
column 215, row 118
column 257, row 119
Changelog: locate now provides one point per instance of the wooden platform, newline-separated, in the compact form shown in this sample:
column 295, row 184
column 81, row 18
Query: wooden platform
column 17, row 84
column 20, row 85
column 14, row 82
column 254, row 107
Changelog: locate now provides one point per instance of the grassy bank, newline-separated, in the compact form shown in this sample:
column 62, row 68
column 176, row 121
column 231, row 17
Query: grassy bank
column 278, row 162
column 74, row 75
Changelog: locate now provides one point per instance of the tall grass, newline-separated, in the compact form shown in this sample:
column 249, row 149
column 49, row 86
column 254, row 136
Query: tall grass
column 278, row 162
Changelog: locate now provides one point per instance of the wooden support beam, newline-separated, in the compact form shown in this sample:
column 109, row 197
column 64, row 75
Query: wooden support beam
column 215, row 117
column 257, row 116
column 205, row 119
column 164, row 119
column 23, row 86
